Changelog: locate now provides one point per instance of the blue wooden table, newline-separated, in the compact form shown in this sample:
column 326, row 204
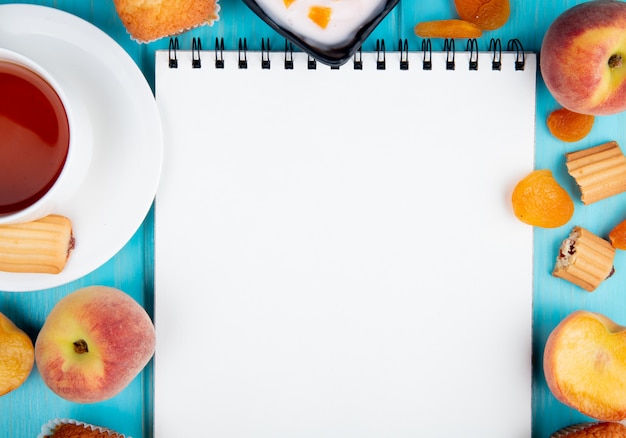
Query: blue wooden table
column 23, row 411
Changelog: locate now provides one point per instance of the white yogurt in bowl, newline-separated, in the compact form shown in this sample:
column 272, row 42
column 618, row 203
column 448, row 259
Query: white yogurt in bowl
column 330, row 30
column 345, row 18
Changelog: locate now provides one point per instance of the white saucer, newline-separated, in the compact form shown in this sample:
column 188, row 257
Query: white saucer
column 121, row 184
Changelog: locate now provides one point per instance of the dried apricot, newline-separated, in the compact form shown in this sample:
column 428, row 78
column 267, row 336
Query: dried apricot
column 447, row 29
column 617, row 236
column 320, row 15
column 539, row 200
column 568, row 125
column 486, row 14
column 288, row 2
column 17, row 355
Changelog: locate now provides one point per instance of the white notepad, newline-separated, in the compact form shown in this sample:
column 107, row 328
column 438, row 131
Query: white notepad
column 336, row 253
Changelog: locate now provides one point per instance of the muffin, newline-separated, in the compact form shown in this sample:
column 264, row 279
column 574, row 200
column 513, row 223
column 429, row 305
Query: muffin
column 149, row 21
column 66, row 428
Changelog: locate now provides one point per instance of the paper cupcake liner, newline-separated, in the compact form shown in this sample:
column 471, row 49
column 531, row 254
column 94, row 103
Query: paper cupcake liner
column 593, row 430
column 47, row 430
column 568, row 430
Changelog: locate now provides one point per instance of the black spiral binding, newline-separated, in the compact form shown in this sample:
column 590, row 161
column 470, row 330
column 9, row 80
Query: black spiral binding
column 514, row 45
column 265, row 55
column 288, row 55
column 242, row 54
column 219, row 53
column 380, row 55
column 448, row 47
column 472, row 48
column 520, row 58
column 196, row 47
column 496, row 54
column 172, row 53
column 404, row 54
column 427, row 49
column 358, row 59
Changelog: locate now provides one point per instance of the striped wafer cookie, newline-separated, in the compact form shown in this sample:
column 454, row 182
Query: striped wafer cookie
column 599, row 171
column 41, row 246
column 584, row 259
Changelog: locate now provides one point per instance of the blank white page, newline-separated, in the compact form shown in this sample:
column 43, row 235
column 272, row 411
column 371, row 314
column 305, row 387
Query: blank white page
column 336, row 252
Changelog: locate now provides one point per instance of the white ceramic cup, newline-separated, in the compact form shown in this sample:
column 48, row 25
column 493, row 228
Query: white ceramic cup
column 79, row 151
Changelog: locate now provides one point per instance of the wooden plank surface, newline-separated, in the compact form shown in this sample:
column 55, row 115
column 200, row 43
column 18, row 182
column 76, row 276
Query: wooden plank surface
column 23, row 411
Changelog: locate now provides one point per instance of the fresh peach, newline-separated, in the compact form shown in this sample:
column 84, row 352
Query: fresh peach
column 585, row 365
column 94, row 342
column 582, row 58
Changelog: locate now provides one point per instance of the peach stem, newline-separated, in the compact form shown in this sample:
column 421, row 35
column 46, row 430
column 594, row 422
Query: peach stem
column 80, row 347
column 615, row 60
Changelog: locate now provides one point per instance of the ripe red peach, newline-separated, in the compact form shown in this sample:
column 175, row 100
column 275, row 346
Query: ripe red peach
column 94, row 342
column 583, row 58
